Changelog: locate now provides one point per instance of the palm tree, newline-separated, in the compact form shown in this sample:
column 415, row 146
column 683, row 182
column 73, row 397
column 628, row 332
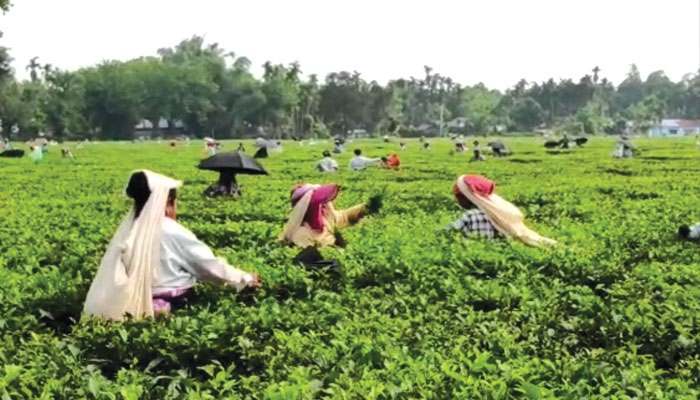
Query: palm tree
column 33, row 67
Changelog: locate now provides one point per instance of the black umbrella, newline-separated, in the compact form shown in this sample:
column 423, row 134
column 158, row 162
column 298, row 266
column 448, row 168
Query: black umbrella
column 228, row 165
column 235, row 162
column 12, row 153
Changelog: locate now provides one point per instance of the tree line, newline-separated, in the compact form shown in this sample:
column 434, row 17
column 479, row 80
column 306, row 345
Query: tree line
column 209, row 91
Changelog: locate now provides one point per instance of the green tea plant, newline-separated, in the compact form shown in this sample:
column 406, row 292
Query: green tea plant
column 417, row 311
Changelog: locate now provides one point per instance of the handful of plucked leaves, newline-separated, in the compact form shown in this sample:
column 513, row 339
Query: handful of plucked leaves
column 375, row 203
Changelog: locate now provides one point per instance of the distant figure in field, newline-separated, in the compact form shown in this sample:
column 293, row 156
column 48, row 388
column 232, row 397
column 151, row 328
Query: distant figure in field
column 565, row 142
column 391, row 162
column 690, row 232
column 625, row 148
column 152, row 262
column 460, row 147
column 402, row 146
column 426, row 146
column 314, row 220
column 327, row 163
column 489, row 215
column 360, row 162
column 499, row 149
column 210, row 146
column 478, row 154
column 66, row 153
column 338, row 148
column 261, row 153
column 8, row 144
column 225, row 186
column 240, row 147
column 35, row 152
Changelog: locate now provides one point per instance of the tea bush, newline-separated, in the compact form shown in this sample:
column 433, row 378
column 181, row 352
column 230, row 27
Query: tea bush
column 416, row 311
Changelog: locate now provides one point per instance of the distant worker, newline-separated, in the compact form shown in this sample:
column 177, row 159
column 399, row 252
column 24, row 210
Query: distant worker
column 240, row 147
column 460, row 146
column 314, row 220
column 478, row 154
column 152, row 262
column 391, row 162
column 66, row 153
column 402, row 146
column 338, row 148
column 426, row 146
column 327, row 163
column 360, row 162
column 35, row 152
column 489, row 215
column 690, row 232
column 625, row 148
column 210, row 146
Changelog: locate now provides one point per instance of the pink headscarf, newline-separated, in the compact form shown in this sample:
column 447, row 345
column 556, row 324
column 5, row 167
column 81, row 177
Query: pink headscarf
column 504, row 216
column 322, row 195
column 477, row 184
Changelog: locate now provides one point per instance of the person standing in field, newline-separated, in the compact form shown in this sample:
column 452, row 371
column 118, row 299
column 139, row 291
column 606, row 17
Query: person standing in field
column 489, row 215
column 314, row 219
column 360, row 162
column 152, row 263
column 327, row 163
column 478, row 154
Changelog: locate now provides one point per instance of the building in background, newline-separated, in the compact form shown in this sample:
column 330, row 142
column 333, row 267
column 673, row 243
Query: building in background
column 675, row 127
column 144, row 129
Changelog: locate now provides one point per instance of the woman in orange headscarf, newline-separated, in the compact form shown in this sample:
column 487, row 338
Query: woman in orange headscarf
column 489, row 215
column 391, row 162
column 314, row 219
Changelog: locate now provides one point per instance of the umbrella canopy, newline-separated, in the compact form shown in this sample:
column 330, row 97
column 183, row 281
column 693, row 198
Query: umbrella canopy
column 233, row 162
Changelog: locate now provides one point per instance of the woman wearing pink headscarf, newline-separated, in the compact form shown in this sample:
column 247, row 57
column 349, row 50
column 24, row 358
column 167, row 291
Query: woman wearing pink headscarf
column 314, row 219
column 488, row 214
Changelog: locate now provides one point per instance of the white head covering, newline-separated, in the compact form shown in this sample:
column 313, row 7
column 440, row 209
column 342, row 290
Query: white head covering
column 122, row 285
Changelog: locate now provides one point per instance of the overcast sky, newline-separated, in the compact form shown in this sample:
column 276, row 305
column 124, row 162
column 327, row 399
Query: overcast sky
column 496, row 42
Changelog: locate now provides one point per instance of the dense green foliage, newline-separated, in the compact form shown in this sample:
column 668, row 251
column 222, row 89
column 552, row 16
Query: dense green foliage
column 415, row 312
column 209, row 91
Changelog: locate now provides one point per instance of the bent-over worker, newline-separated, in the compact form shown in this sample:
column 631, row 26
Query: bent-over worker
column 152, row 261
column 488, row 214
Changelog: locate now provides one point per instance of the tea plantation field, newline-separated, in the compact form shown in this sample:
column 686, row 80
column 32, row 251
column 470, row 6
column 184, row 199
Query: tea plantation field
column 416, row 312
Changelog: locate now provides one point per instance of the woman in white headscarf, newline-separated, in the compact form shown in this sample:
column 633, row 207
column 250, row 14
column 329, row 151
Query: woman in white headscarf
column 489, row 215
column 152, row 260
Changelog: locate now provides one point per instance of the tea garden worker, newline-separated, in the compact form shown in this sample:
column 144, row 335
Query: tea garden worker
column 690, row 232
column 489, row 215
column 360, row 162
column 314, row 219
column 391, row 162
column 152, row 261
column 327, row 163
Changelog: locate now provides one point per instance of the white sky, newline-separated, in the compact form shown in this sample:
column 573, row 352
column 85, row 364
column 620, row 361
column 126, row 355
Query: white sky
column 496, row 42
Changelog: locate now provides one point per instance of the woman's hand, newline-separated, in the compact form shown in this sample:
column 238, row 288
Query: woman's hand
column 255, row 282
